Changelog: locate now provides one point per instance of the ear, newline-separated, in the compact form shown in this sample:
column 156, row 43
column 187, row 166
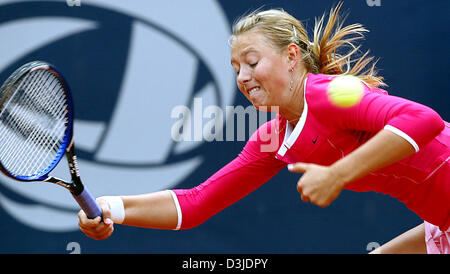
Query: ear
column 293, row 55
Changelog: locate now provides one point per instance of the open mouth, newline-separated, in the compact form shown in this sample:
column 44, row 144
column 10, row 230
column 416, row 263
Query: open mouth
column 253, row 90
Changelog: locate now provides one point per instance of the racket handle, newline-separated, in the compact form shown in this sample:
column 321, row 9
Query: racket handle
column 88, row 204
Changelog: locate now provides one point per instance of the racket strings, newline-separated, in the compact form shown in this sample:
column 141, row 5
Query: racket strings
column 9, row 123
column 33, row 123
column 33, row 135
column 18, row 121
column 57, row 113
column 46, row 140
column 33, row 103
column 19, row 118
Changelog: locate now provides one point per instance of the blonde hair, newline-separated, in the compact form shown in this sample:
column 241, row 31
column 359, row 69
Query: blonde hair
column 325, row 53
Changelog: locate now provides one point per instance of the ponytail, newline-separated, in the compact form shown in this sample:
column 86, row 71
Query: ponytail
column 328, row 42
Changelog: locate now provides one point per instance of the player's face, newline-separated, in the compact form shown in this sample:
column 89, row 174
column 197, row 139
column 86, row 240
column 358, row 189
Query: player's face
column 262, row 72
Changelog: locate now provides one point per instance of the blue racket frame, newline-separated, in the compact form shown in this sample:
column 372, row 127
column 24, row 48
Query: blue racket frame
column 78, row 190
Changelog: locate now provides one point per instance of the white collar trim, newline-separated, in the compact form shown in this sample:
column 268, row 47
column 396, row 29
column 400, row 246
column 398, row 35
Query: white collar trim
column 290, row 136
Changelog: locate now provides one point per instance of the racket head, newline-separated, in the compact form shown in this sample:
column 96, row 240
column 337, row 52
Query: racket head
column 36, row 121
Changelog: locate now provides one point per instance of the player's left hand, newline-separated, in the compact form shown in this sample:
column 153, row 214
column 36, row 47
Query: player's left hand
column 319, row 184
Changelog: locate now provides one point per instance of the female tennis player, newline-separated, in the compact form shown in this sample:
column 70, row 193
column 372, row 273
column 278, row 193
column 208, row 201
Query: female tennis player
column 383, row 143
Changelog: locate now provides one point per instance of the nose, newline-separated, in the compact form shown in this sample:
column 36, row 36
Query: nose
column 244, row 76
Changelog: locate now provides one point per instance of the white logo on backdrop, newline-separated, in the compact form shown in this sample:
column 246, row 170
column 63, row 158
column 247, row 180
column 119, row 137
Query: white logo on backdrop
column 140, row 127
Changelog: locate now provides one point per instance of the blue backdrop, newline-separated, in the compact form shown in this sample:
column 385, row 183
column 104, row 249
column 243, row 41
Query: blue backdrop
column 130, row 63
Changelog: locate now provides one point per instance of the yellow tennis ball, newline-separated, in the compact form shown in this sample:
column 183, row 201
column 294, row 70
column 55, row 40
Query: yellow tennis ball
column 345, row 91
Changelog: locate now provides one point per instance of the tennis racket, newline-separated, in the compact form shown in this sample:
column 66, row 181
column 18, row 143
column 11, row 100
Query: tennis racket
column 36, row 130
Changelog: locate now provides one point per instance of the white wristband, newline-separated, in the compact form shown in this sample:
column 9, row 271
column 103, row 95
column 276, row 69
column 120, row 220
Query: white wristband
column 117, row 208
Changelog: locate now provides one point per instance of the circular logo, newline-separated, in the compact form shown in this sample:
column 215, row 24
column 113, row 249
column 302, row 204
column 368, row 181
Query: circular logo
column 129, row 65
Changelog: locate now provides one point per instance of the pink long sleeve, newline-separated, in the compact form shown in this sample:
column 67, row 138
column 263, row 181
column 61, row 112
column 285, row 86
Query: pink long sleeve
column 417, row 123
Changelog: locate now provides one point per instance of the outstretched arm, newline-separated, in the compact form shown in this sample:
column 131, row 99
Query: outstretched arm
column 187, row 208
column 153, row 210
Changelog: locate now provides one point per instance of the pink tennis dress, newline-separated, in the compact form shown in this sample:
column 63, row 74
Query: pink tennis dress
column 326, row 133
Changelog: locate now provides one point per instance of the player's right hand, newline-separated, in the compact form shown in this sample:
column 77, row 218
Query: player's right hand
column 96, row 228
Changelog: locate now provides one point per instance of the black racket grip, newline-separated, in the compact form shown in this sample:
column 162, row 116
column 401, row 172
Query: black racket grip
column 88, row 204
